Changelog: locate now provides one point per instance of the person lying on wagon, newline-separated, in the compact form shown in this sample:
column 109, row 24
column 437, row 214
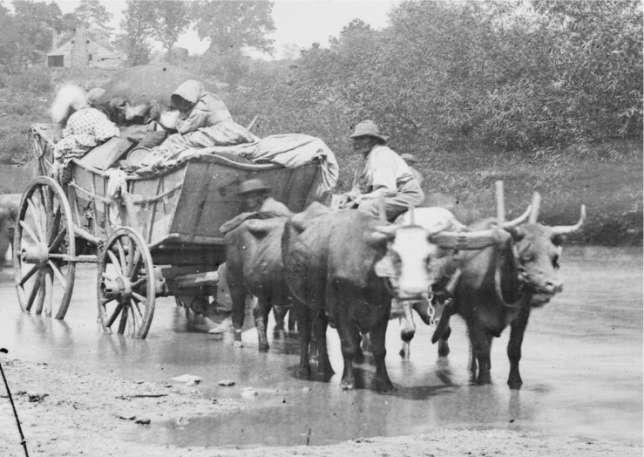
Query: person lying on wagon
column 83, row 127
column 201, row 120
column 385, row 175
column 197, row 107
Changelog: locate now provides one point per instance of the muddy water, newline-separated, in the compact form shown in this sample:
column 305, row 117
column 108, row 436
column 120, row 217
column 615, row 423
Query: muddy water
column 582, row 368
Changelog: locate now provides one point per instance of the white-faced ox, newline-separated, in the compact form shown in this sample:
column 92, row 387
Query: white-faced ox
column 330, row 260
column 499, row 286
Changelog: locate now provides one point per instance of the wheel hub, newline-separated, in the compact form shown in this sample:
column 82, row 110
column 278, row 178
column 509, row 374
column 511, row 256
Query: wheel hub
column 117, row 286
column 35, row 253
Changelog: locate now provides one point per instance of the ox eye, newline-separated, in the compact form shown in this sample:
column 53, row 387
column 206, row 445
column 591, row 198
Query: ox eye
column 395, row 258
column 555, row 262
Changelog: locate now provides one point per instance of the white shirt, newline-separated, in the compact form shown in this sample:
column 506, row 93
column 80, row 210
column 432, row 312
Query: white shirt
column 384, row 169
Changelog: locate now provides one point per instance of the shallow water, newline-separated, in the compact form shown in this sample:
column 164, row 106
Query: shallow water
column 581, row 367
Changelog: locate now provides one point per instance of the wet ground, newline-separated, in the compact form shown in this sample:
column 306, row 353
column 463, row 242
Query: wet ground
column 582, row 369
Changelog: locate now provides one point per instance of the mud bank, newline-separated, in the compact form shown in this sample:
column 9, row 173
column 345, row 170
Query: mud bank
column 76, row 413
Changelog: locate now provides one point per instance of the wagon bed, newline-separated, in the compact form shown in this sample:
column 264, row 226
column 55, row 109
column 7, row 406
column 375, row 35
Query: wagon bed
column 159, row 235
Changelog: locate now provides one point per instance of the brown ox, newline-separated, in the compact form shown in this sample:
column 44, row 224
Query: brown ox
column 499, row 286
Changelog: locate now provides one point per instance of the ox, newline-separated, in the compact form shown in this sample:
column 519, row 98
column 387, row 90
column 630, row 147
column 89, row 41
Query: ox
column 254, row 267
column 344, row 267
column 499, row 286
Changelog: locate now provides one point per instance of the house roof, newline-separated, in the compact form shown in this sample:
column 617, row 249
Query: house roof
column 65, row 44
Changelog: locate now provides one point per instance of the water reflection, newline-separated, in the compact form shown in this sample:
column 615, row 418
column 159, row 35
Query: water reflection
column 581, row 369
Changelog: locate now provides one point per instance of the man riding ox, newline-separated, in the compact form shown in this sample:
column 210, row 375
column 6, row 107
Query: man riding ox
column 385, row 175
column 500, row 285
column 334, row 262
column 253, row 260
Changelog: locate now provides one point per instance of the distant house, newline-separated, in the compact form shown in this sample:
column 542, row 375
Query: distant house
column 82, row 50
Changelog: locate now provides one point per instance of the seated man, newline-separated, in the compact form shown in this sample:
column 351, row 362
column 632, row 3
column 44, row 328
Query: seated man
column 385, row 175
column 255, row 198
column 84, row 127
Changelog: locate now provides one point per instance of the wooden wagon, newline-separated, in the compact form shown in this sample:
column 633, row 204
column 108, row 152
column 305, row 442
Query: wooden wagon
column 164, row 241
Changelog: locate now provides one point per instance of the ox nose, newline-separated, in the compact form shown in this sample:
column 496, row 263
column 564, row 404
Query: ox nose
column 553, row 287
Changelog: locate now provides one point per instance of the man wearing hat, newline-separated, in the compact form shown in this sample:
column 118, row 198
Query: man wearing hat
column 255, row 198
column 385, row 175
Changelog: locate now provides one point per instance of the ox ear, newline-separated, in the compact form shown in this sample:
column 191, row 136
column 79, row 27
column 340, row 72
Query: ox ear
column 260, row 227
column 557, row 239
column 300, row 221
column 516, row 233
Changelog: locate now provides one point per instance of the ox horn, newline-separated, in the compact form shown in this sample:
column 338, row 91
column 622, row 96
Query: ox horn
column 412, row 215
column 469, row 240
column 536, row 204
column 563, row 229
column 382, row 214
column 500, row 202
column 519, row 220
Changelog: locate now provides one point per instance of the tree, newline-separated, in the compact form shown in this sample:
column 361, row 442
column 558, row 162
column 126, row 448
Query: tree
column 94, row 16
column 138, row 26
column 171, row 18
column 34, row 24
column 8, row 39
column 231, row 26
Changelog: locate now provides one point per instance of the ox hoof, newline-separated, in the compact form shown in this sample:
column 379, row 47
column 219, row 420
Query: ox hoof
column 484, row 379
column 304, row 373
column 238, row 344
column 263, row 347
column 382, row 385
column 515, row 384
column 347, row 385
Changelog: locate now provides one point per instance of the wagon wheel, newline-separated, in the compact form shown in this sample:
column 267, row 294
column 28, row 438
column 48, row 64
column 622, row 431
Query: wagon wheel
column 44, row 246
column 126, row 284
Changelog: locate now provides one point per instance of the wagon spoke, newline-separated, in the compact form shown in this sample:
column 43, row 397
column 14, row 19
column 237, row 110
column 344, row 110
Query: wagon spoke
column 28, row 275
column 115, row 261
column 135, row 304
column 53, row 229
column 115, row 313
column 132, row 268
column 121, row 254
column 38, row 216
column 42, row 289
column 34, row 291
column 58, row 240
column 138, row 282
column 57, row 273
column 49, row 297
column 29, row 232
column 123, row 320
column 139, row 297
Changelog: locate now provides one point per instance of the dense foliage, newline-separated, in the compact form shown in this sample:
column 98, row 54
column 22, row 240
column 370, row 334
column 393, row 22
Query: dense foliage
column 510, row 75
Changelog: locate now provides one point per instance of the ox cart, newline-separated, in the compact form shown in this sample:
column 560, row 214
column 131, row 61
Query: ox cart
column 162, row 240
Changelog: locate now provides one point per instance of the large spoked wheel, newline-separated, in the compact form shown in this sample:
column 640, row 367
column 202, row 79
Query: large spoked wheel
column 126, row 284
column 44, row 250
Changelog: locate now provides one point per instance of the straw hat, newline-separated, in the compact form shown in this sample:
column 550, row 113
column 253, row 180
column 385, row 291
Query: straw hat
column 368, row 128
column 253, row 185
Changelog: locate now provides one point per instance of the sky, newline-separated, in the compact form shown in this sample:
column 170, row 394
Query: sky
column 298, row 23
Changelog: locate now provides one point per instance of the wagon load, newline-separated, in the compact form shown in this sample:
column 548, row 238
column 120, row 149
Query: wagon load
column 151, row 225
